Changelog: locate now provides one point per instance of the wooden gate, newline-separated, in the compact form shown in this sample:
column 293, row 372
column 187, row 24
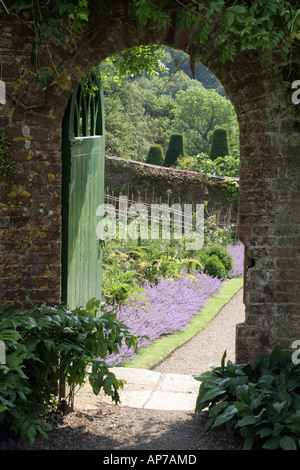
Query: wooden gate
column 83, row 192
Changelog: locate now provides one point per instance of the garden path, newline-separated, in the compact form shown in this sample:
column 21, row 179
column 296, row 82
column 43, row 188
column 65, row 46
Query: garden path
column 208, row 346
column 170, row 385
column 157, row 408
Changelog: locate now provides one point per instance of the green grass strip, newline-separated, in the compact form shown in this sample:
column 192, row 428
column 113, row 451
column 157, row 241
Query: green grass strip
column 150, row 356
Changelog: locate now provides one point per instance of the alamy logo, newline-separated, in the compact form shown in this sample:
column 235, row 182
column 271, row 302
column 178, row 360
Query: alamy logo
column 296, row 354
column 2, row 92
column 151, row 222
column 2, row 353
column 296, row 94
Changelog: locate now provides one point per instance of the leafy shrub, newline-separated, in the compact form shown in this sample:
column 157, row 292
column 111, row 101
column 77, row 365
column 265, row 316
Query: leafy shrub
column 118, row 284
column 260, row 403
column 155, row 155
column 221, row 166
column 214, row 266
column 214, row 234
column 175, row 149
column 223, row 255
column 220, row 143
column 47, row 348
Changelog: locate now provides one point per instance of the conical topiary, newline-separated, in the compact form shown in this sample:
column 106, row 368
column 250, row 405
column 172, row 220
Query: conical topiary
column 175, row 149
column 155, row 155
column 220, row 143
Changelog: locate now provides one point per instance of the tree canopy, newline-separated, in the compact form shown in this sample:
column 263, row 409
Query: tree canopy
column 143, row 110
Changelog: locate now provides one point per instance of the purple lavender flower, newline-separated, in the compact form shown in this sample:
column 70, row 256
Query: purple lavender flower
column 237, row 253
column 165, row 308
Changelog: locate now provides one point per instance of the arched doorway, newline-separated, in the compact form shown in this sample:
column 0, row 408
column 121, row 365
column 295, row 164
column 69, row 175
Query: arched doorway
column 258, row 83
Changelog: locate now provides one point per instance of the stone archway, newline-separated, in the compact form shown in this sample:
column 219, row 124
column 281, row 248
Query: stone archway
column 259, row 86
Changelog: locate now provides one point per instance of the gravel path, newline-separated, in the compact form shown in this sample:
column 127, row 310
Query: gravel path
column 118, row 428
column 208, row 346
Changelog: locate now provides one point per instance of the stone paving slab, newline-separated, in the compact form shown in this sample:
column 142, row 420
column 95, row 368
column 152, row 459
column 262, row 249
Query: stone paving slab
column 146, row 389
column 172, row 401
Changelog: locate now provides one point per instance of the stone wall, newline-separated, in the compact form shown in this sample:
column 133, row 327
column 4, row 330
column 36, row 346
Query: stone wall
column 153, row 184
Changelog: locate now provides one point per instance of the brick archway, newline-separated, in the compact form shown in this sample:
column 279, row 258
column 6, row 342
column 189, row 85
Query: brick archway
column 259, row 86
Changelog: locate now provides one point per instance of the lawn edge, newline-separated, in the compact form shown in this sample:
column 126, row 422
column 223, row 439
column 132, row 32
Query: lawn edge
column 148, row 357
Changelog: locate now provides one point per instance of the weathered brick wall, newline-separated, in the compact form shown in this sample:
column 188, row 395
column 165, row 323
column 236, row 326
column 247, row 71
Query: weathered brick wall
column 259, row 85
column 269, row 203
column 124, row 176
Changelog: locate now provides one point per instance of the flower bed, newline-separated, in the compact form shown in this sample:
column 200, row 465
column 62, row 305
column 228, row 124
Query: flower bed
column 164, row 309
column 169, row 306
column 237, row 253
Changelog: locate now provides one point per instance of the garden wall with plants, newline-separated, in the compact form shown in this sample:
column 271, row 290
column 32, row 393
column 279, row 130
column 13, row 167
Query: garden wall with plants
column 154, row 184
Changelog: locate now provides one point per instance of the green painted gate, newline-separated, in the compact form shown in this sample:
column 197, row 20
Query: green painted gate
column 83, row 192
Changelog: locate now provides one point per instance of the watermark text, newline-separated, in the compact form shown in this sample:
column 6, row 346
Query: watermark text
column 152, row 221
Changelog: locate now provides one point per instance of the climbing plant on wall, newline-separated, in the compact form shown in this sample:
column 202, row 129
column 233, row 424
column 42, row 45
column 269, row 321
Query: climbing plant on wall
column 242, row 25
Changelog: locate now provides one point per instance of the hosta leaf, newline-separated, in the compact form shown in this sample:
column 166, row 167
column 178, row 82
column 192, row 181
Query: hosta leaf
column 226, row 416
column 208, row 423
column 215, row 410
column 278, row 406
column 242, row 407
column 211, row 394
column 287, row 443
column 272, row 443
column 248, row 443
column 278, row 429
column 264, row 432
column 275, row 356
column 251, row 419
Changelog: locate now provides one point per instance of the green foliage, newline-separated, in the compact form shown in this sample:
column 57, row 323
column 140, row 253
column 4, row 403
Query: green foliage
column 220, row 251
column 242, row 27
column 214, row 234
column 215, row 258
column 155, row 155
column 148, row 11
column 76, row 11
column 220, row 143
column 143, row 109
column 127, row 266
column 47, row 347
column 175, row 150
column 213, row 266
column 260, row 403
column 232, row 191
column 133, row 61
column 7, row 165
column 222, row 166
column 198, row 112
column 118, row 284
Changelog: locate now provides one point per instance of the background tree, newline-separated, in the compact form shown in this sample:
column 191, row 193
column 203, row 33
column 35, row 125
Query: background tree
column 198, row 112
column 155, row 155
column 147, row 109
column 220, row 143
column 175, row 150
